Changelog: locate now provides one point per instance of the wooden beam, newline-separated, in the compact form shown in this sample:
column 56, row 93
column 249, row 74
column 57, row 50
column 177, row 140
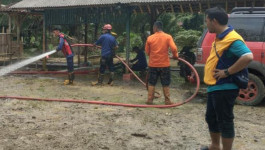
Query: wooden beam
column 141, row 9
column 149, row 9
column 172, row 8
column 181, row 8
column 191, row 10
column 163, row 6
column 157, row 11
column 200, row 6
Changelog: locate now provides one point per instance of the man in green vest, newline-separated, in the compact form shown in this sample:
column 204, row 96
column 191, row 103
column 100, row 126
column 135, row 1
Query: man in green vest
column 229, row 55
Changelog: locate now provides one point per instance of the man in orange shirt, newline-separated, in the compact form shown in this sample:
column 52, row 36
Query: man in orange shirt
column 156, row 48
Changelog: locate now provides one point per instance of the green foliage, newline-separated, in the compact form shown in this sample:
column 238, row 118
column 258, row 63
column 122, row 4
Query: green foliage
column 195, row 22
column 169, row 23
column 187, row 35
column 187, row 38
column 136, row 40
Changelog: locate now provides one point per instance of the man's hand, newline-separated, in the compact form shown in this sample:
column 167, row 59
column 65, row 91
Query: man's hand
column 219, row 74
column 175, row 57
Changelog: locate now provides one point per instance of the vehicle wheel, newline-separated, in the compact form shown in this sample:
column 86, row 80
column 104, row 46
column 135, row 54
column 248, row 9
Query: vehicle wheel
column 254, row 93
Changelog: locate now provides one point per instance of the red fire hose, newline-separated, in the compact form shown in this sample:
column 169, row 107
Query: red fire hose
column 119, row 104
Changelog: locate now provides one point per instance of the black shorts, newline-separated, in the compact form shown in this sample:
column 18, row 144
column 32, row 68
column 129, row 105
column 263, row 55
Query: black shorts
column 155, row 73
column 219, row 112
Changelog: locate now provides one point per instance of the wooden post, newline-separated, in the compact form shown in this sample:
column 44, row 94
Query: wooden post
column 9, row 24
column 18, row 23
column 44, row 62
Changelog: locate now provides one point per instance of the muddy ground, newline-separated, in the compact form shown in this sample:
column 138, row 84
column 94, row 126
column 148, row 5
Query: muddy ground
column 57, row 125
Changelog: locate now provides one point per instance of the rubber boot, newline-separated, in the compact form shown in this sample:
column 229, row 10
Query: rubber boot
column 151, row 93
column 111, row 78
column 66, row 82
column 70, row 80
column 167, row 95
column 100, row 80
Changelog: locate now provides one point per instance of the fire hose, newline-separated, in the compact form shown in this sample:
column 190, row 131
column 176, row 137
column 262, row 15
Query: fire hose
column 119, row 104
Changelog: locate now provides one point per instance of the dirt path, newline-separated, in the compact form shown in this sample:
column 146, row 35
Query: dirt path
column 54, row 125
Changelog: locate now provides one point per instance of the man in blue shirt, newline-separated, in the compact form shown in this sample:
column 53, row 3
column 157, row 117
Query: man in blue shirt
column 108, row 45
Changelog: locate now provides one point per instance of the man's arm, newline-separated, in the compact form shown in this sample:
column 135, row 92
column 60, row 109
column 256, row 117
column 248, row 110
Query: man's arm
column 239, row 49
column 99, row 41
column 240, row 64
column 173, row 47
column 147, row 48
column 60, row 46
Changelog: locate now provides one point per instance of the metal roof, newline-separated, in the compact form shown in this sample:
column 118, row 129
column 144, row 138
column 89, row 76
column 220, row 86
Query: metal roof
column 31, row 4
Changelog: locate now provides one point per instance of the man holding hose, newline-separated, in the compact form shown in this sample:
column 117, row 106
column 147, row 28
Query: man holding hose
column 108, row 45
column 156, row 48
column 65, row 47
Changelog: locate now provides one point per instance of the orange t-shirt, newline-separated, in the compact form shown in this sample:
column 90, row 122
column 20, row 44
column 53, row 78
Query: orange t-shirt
column 156, row 48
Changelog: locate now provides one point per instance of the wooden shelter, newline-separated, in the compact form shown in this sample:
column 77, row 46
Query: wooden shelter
column 66, row 12
column 8, row 46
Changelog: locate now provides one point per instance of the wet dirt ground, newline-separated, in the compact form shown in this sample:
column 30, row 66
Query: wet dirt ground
column 34, row 125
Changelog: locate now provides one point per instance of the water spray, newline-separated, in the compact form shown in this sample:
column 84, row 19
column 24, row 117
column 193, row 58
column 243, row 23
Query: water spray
column 21, row 64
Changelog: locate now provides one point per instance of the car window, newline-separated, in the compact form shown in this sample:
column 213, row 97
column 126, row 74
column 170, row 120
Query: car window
column 251, row 29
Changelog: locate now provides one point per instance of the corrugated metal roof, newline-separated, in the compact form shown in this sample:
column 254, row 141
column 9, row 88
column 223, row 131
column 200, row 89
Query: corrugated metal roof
column 31, row 4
